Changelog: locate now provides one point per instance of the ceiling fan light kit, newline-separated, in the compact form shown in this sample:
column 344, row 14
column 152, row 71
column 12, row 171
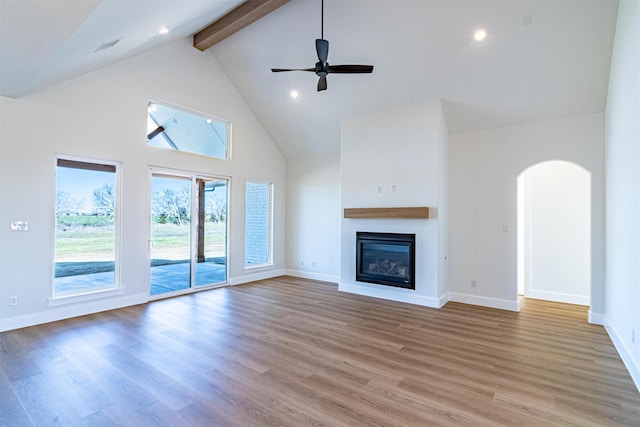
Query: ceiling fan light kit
column 322, row 67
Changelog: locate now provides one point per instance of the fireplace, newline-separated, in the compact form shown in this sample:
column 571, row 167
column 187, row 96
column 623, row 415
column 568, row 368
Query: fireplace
column 386, row 259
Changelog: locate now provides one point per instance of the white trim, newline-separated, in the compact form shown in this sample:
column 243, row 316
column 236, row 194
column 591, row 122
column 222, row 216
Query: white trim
column 625, row 354
column 558, row 297
column 69, row 311
column 190, row 176
column 410, row 298
column 187, row 291
column 443, row 300
column 268, row 274
column 117, row 232
column 596, row 318
column 88, row 296
column 257, row 267
column 313, row 276
column 484, row 301
column 202, row 115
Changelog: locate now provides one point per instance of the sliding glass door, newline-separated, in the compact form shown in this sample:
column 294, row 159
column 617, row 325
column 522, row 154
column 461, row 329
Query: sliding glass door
column 211, row 229
column 188, row 247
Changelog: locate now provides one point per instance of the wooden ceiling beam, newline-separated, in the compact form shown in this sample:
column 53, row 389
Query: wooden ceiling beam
column 243, row 15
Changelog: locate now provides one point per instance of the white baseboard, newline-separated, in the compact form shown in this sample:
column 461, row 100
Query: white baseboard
column 558, row 297
column 313, row 276
column 484, row 301
column 407, row 297
column 98, row 305
column 596, row 318
column 66, row 312
column 253, row 277
column 443, row 300
column 633, row 365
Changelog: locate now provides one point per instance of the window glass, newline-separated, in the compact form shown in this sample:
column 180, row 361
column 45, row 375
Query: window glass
column 85, row 235
column 188, row 232
column 182, row 130
column 257, row 224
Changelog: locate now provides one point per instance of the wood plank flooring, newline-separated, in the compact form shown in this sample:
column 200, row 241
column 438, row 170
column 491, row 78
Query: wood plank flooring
column 295, row 352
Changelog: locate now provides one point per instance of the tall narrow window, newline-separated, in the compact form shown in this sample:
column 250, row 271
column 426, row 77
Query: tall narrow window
column 257, row 224
column 86, row 227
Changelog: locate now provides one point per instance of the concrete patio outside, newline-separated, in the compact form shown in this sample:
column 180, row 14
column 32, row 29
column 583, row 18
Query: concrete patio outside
column 165, row 278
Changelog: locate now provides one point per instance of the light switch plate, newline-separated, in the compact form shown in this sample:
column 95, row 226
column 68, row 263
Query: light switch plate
column 19, row 225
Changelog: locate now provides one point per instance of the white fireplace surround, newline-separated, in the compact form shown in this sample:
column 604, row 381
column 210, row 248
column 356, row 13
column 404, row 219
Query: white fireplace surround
column 397, row 158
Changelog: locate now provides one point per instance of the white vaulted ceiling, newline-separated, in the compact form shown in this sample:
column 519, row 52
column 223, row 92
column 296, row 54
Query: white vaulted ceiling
column 541, row 59
column 44, row 42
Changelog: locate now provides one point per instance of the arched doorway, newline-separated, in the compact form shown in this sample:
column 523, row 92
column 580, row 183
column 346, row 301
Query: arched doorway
column 554, row 232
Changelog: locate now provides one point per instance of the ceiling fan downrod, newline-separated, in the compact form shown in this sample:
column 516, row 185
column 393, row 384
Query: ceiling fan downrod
column 322, row 67
column 322, row 19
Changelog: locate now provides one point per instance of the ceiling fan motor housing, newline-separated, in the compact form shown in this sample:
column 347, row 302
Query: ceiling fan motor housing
column 322, row 69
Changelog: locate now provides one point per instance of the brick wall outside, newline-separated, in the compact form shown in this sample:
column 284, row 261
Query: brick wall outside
column 257, row 223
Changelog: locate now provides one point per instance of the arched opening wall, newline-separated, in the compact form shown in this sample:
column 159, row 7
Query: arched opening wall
column 554, row 232
column 484, row 168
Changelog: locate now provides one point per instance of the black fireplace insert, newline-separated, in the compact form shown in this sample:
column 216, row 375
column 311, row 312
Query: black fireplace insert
column 386, row 259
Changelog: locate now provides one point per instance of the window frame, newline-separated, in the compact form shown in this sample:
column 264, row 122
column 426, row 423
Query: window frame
column 202, row 115
column 67, row 297
column 191, row 176
column 269, row 263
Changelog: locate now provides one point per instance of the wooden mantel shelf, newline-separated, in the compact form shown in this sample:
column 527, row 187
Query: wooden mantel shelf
column 421, row 212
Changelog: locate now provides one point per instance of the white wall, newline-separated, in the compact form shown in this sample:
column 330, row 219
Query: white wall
column 623, row 189
column 484, row 167
column 403, row 147
column 102, row 115
column 313, row 218
column 557, row 232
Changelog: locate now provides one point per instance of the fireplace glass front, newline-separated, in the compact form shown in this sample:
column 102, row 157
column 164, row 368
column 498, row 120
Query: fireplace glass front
column 386, row 259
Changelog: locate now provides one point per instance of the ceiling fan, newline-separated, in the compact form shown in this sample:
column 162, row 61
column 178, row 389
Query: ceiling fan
column 322, row 67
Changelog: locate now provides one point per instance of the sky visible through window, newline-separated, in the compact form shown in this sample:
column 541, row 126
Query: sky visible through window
column 80, row 184
column 86, row 228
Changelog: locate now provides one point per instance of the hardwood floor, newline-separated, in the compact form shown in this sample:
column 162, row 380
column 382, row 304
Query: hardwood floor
column 297, row 352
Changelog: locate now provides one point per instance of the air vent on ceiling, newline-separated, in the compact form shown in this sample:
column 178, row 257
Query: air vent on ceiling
column 106, row 45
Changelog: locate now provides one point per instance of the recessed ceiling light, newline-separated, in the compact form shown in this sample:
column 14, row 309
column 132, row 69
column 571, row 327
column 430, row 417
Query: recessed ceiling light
column 480, row 34
column 294, row 94
column 163, row 30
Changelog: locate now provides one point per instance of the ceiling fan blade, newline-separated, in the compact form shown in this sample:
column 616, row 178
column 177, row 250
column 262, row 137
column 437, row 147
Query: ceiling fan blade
column 322, row 49
column 279, row 70
column 322, row 67
column 322, row 84
column 350, row 69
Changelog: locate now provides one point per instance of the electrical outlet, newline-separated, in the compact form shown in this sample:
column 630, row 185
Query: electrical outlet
column 473, row 283
column 19, row 225
column 313, row 264
column 633, row 336
column 301, row 263
column 13, row 300
column 379, row 189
